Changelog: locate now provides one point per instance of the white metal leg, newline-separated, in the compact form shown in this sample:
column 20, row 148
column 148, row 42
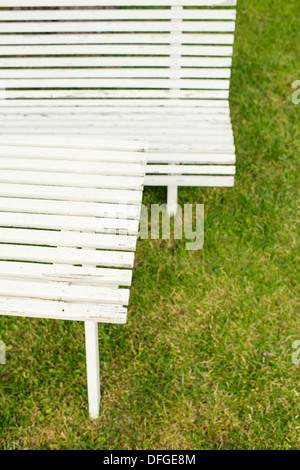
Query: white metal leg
column 172, row 200
column 92, row 363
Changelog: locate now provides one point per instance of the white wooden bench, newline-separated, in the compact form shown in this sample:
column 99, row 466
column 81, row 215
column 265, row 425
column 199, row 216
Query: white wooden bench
column 157, row 71
column 69, row 221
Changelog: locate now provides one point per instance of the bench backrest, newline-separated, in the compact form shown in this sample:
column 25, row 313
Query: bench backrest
column 115, row 49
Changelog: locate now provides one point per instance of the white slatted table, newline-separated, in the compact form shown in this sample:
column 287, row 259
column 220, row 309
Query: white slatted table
column 158, row 71
column 69, row 221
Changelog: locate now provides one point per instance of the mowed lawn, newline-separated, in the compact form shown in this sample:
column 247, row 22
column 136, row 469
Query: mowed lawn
column 205, row 360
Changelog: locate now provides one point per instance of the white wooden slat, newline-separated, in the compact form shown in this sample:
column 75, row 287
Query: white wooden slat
column 77, row 143
column 120, row 105
column 129, row 160
column 169, row 138
column 84, row 209
column 165, row 136
column 65, row 273
column 117, row 14
column 119, row 118
column 78, row 156
column 58, row 310
column 225, row 140
column 165, row 140
column 59, row 222
column 64, row 292
column 187, row 180
column 70, row 193
column 83, row 167
column 190, row 145
column 64, row 255
column 112, row 94
column 114, row 61
column 66, row 179
column 170, row 141
column 206, row 84
column 208, row 122
column 146, row 38
column 127, row 72
column 201, row 121
column 68, row 239
column 124, row 122
column 219, row 130
column 114, row 26
column 191, row 169
column 191, row 158
column 193, row 146
column 113, row 49
column 60, row 112
column 98, row 3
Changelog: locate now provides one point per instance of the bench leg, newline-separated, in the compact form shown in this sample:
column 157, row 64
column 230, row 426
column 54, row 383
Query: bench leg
column 92, row 364
column 172, row 200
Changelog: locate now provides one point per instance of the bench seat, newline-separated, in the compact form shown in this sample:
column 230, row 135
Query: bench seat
column 69, row 222
column 201, row 143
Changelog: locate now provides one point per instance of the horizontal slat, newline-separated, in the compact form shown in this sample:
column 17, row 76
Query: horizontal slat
column 67, row 239
column 196, row 138
column 165, row 136
column 80, row 142
column 53, row 83
column 120, row 105
column 116, row 26
column 64, row 272
column 189, row 145
column 84, row 209
column 63, row 255
column 164, row 139
column 113, row 49
column 152, row 132
column 191, row 169
column 59, row 310
column 64, row 292
column 116, row 122
column 59, row 222
column 117, row 14
column 112, row 94
column 174, row 136
column 127, row 72
column 192, row 158
column 102, row 168
column 108, row 112
column 141, row 119
column 67, row 179
column 70, row 194
column 98, row 3
column 186, row 180
column 115, row 61
column 176, row 38
column 131, row 161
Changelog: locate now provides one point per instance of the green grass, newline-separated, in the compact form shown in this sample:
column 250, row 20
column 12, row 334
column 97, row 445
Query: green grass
column 188, row 370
